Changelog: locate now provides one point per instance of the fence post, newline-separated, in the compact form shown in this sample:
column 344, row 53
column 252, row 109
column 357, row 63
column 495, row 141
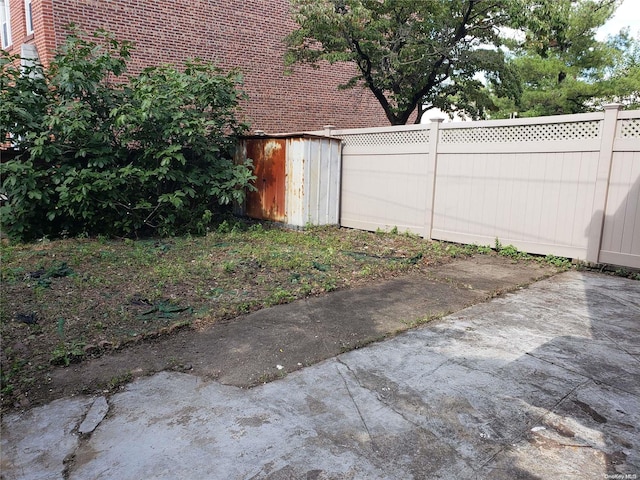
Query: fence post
column 605, row 158
column 432, row 168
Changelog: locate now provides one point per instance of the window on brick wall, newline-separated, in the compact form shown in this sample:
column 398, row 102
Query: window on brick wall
column 28, row 15
column 5, row 23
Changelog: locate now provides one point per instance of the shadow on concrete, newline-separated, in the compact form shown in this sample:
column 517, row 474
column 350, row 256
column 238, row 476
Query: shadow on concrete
column 584, row 409
column 543, row 384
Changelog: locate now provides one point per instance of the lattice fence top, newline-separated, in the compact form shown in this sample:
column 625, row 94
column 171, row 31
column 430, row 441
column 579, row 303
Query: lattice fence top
column 522, row 133
column 387, row 138
column 629, row 128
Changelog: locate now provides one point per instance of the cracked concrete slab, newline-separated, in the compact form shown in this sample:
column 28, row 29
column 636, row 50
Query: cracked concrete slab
column 540, row 383
column 36, row 444
column 94, row 416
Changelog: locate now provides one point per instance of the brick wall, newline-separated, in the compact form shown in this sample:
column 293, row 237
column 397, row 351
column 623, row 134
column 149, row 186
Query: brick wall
column 43, row 22
column 44, row 36
column 18, row 26
column 247, row 34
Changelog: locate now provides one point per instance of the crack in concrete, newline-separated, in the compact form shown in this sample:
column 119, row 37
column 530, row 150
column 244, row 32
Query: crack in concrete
column 392, row 407
column 366, row 427
column 523, row 434
column 581, row 374
column 445, row 362
column 95, row 414
column 619, row 299
column 573, row 390
column 470, row 366
column 620, row 347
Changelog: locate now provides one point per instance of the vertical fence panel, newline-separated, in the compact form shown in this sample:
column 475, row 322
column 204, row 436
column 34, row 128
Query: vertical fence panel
column 605, row 159
column 621, row 228
column 516, row 182
column 432, row 172
column 384, row 179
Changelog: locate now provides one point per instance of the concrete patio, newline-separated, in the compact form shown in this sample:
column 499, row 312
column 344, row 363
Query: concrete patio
column 541, row 383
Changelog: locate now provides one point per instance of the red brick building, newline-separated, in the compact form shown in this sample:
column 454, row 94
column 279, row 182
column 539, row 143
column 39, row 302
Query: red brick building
column 247, row 34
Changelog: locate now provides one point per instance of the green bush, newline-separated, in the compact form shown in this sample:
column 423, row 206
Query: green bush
column 105, row 155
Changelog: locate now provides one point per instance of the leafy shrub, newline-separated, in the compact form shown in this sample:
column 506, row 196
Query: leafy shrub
column 105, row 155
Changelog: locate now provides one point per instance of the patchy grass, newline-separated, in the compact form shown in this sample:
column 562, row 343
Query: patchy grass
column 63, row 301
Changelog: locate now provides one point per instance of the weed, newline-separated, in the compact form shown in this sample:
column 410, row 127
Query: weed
column 12, row 274
column 295, row 277
column 458, row 250
column 623, row 272
column 256, row 228
column 512, row 252
column 436, row 249
column 67, row 353
column 119, row 381
column 305, row 290
column 230, row 226
column 224, row 227
column 245, row 307
column 10, row 376
column 426, row 319
column 481, row 249
column 35, row 329
column 279, row 296
column 347, row 346
column 320, row 266
column 559, row 262
column 509, row 251
column 267, row 377
column 366, row 271
column 229, row 267
column 329, row 285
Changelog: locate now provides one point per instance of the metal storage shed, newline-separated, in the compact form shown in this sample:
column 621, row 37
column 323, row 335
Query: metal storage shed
column 298, row 178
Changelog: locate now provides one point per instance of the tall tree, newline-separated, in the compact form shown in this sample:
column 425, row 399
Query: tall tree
column 621, row 82
column 562, row 67
column 412, row 55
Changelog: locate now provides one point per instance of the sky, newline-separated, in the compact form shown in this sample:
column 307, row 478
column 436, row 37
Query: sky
column 627, row 15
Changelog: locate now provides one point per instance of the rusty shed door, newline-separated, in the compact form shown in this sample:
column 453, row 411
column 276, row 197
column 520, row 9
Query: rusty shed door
column 269, row 159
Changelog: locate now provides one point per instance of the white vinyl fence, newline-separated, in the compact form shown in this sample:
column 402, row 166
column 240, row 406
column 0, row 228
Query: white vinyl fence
column 565, row 185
